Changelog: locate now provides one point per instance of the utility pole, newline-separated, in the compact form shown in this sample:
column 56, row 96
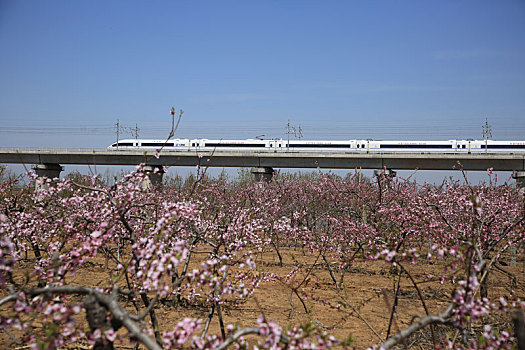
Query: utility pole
column 298, row 133
column 117, row 126
column 288, row 132
column 487, row 133
column 135, row 132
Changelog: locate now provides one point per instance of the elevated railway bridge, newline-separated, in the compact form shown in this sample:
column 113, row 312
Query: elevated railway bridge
column 48, row 161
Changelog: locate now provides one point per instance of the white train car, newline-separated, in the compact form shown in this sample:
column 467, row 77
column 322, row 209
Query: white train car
column 127, row 144
column 231, row 145
column 193, row 144
column 490, row 146
column 412, row 146
column 304, row 145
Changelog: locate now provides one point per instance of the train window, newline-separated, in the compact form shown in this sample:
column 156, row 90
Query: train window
column 363, row 146
column 235, row 145
column 152, row 144
column 193, row 144
column 358, row 146
column 313, row 145
column 125, row 144
column 505, row 146
column 464, row 146
column 414, row 146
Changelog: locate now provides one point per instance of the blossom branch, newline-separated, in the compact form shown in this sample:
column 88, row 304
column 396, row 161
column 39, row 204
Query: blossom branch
column 117, row 311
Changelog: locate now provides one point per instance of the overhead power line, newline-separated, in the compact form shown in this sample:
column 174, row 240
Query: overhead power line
column 344, row 130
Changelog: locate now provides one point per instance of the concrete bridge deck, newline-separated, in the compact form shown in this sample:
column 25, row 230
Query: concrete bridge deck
column 324, row 160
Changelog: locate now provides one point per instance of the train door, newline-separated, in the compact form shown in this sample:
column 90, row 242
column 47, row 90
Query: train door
column 455, row 145
column 272, row 145
column 196, row 144
column 461, row 146
column 360, row 145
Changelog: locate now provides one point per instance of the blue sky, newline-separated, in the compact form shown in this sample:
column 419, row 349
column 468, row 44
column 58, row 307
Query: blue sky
column 339, row 69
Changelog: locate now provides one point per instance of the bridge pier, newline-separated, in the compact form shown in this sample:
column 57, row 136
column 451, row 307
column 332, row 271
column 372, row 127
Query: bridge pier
column 154, row 174
column 263, row 174
column 46, row 170
column 519, row 176
column 388, row 173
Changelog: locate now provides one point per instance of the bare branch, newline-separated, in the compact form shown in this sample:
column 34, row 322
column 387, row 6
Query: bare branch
column 232, row 339
column 441, row 318
column 8, row 299
column 146, row 311
column 252, row 330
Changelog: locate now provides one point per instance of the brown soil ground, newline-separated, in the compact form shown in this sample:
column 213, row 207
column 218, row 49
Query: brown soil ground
column 367, row 296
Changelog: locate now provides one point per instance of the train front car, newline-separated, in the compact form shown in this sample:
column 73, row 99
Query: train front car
column 124, row 144
column 150, row 144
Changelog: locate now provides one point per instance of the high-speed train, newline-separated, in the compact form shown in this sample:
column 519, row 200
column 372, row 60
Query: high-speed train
column 365, row 146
